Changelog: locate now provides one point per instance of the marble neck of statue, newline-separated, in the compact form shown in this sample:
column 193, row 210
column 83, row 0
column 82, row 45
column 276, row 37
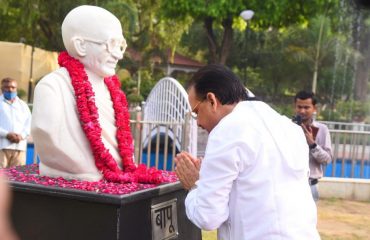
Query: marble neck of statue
column 94, row 79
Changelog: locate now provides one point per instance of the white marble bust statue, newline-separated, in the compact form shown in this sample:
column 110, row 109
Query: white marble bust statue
column 93, row 36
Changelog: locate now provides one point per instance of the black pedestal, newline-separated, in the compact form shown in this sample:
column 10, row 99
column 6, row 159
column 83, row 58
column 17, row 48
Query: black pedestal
column 51, row 213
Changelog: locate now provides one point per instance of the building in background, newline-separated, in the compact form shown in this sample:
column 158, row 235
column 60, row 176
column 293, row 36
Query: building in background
column 25, row 64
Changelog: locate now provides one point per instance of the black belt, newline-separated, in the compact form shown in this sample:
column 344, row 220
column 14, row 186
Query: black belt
column 313, row 181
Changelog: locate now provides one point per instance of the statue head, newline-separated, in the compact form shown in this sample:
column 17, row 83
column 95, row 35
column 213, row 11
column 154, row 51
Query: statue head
column 94, row 36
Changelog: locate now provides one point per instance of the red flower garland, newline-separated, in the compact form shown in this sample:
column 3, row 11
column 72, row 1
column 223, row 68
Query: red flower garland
column 89, row 119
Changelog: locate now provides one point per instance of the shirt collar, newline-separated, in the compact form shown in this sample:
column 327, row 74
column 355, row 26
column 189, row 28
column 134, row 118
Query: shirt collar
column 2, row 99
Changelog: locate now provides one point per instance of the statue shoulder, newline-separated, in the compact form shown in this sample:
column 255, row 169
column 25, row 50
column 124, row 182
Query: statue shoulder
column 55, row 79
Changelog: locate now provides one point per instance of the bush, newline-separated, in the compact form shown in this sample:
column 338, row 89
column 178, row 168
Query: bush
column 347, row 111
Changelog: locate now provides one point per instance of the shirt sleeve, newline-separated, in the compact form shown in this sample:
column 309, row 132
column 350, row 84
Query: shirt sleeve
column 207, row 204
column 322, row 153
column 3, row 132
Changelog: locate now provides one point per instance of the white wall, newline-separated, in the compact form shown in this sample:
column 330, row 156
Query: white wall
column 345, row 188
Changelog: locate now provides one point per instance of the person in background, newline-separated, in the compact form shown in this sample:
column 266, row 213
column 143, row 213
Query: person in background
column 15, row 125
column 252, row 181
column 317, row 137
column 6, row 230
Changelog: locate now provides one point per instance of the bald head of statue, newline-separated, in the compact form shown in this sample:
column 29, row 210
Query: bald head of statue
column 94, row 36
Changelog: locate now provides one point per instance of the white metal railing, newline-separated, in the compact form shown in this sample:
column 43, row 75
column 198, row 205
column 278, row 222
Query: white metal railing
column 351, row 154
column 161, row 146
column 168, row 102
column 347, row 126
column 351, row 149
column 160, row 149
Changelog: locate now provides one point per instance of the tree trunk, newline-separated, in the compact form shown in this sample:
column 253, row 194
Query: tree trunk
column 361, row 41
column 219, row 54
column 227, row 39
column 317, row 57
column 361, row 80
column 211, row 39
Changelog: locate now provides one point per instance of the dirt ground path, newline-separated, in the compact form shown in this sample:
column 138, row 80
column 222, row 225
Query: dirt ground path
column 337, row 220
column 343, row 219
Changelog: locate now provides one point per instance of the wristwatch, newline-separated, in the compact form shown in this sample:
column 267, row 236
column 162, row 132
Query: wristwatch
column 312, row 146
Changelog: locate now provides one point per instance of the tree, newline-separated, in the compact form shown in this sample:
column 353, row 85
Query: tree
column 312, row 45
column 218, row 17
column 36, row 22
column 361, row 36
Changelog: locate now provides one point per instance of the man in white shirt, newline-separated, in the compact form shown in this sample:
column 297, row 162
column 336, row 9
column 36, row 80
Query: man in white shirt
column 15, row 124
column 252, row 181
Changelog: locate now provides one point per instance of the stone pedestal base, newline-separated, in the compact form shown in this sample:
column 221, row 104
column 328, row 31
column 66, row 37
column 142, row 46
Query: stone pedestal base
column 51, row 213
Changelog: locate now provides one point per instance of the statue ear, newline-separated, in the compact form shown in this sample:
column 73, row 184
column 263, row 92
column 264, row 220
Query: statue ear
column 79, row 45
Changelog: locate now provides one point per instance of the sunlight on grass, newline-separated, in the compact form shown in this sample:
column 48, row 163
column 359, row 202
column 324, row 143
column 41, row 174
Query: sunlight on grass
column 343, row 220
column 209, row 235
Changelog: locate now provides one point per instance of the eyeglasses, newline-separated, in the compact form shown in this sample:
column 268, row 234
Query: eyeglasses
column 194, row 111
column 111, row 44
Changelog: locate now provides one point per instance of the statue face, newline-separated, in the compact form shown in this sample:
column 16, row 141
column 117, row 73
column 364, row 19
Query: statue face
column 103, row 55
column 94, row 36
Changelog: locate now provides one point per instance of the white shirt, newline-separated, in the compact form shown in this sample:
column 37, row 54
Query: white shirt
column 60, row 142
column 253, row 181
column 14, row 117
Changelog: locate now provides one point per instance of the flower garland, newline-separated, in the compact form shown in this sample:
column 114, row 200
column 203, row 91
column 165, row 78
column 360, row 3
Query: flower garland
column 30, row 174
column 89, row 119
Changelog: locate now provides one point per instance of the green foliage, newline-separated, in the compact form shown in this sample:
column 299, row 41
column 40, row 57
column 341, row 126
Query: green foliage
column 347, row 111
column 303, row 42
column 275, row 54
column 170, row 33
column 194, row 42
column 127, row 14
column 268, row 13
column 37, row 22
column 134, row 98
column 148, row 80
column 200, row 9
column 21, row 93
column 284, row 109
column 269, row 72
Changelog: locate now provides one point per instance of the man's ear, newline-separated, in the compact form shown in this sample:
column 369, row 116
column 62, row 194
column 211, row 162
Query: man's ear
column 79, row 45
column 212, row 99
